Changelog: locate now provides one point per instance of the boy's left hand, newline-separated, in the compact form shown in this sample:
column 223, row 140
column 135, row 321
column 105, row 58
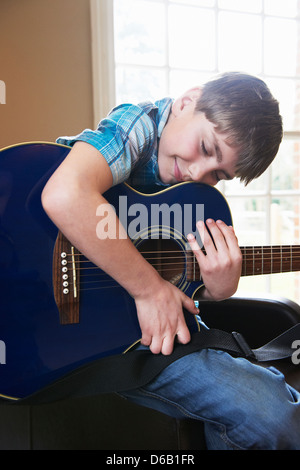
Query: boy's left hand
column 221, row 265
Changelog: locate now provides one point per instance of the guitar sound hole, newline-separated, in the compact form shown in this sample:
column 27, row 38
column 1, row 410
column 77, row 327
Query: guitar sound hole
column 166, row 257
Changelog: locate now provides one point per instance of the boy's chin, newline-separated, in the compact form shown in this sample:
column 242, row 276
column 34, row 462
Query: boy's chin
column 165, row 179
column 169, row 180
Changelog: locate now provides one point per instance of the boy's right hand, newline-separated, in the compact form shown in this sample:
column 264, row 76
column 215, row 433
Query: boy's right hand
column 161, row 317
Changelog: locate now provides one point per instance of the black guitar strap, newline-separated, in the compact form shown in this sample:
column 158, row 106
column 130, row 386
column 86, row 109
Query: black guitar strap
column 138, row 367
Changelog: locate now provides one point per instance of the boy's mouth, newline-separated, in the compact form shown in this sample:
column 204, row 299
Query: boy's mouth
column 177, row 172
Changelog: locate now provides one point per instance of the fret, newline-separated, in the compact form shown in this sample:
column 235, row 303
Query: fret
column 259, row 257
column 271, row 260
column 244, row 265
column 256, row 264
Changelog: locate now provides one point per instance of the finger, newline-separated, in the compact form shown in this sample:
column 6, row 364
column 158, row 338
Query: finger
column 222, row 237
column 195, row 247
column 216, row 238
column 183, row 333
column 229, row 234
column 183, row 336
column 167, row 345
column 207, row 241
column 146, row 340
column 156, row 345
column 189, row 305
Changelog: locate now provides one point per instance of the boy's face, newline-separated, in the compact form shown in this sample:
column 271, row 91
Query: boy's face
column 190, row 149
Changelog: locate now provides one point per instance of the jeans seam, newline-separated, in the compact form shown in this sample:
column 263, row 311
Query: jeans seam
column 189, row 414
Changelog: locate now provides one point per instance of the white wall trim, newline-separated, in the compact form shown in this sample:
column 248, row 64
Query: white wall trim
column 103, row 64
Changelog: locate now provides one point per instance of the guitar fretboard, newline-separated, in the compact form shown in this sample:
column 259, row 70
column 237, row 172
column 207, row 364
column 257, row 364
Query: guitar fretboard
column 270, row 259
column 258, row 260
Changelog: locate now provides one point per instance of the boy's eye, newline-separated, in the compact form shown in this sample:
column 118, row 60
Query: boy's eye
column 204, row 148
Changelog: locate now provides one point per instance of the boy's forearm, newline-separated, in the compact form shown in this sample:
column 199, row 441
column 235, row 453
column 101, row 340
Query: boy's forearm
column 119, row 258
column 73, row 200
column 115, row 253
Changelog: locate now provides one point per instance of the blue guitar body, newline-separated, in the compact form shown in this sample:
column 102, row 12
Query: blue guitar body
column 38, row 344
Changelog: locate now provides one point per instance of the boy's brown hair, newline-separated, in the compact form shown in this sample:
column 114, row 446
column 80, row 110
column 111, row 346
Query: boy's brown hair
column 243, row 107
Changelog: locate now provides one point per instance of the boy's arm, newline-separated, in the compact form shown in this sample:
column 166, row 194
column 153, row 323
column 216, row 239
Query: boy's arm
column 71, row 198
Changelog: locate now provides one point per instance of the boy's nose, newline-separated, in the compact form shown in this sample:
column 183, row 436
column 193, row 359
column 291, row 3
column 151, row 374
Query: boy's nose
column 196, row 172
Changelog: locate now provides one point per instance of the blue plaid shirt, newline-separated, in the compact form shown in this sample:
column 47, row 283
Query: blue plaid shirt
column 128, row 139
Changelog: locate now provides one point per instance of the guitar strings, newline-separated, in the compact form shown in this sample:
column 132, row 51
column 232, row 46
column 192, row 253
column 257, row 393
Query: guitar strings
column 252, row 250
column 166, row 268
column 170, row 262
column 276, row 250
column 257, row 257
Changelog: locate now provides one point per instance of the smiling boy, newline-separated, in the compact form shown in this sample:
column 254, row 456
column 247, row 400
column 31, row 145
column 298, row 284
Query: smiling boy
column 230, row 127
column 186, row 143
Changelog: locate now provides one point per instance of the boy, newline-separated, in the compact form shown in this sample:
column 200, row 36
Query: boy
column 228, row 128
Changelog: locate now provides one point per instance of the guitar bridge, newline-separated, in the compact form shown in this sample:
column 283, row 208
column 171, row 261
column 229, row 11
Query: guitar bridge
column 66, row 280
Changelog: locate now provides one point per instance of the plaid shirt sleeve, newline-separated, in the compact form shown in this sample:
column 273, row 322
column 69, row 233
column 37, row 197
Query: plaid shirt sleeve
column 127, row 138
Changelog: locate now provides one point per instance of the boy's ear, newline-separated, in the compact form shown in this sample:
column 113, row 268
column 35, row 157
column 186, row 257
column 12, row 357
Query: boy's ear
column 189, row 98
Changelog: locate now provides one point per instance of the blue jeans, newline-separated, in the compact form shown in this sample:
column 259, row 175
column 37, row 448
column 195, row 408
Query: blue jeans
column 242, row 405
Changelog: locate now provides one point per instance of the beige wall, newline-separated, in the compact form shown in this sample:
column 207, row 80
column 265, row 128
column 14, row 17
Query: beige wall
column 45, row 62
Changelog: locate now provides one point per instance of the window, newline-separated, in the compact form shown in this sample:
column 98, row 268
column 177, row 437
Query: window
column 163, row 47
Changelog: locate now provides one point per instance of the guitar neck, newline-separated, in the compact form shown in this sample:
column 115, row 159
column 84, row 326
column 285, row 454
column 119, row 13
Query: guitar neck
column 270, row 259
column 258, row 260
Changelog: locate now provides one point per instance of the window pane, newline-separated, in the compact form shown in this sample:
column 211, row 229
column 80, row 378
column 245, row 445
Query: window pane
column 284, row 91
column 281, row 8
column 240, row 42
column 284, row 220
column 280, row 47
column 199, row 3
column 286, row 166
column 259, row 185
column 182, row 80
column 251, row 6
column 135, row 41
column 191, row 38
column 254, row 284
column 285, row 285
column 285, row 231
column 135, row 84
column 249, row 219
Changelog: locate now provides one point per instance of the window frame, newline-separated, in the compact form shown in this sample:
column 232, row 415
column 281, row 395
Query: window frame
column 103, row 60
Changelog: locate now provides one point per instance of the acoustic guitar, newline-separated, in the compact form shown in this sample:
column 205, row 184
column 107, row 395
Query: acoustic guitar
column 58, row 311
